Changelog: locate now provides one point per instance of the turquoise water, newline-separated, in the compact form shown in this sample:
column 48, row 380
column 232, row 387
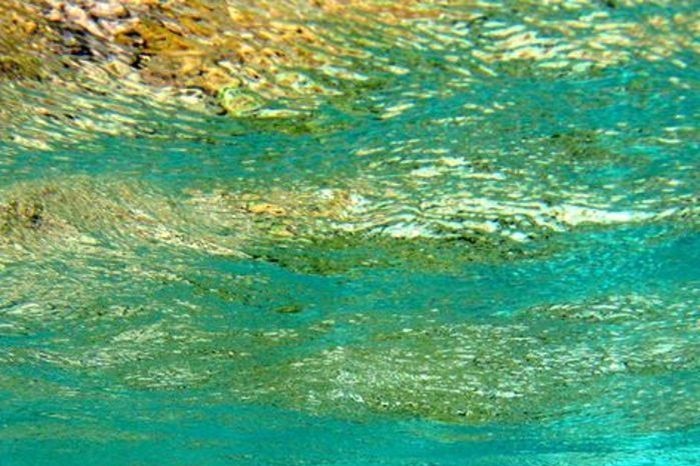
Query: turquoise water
column 449, row 265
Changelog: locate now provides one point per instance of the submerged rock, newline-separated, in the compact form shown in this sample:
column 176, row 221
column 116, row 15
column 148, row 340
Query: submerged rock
column 239, row 102
column 208, row 44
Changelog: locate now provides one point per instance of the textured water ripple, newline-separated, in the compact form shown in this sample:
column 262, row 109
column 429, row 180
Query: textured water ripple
column 472, row 226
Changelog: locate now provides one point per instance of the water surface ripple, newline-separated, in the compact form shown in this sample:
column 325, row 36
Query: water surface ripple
column 446, row 233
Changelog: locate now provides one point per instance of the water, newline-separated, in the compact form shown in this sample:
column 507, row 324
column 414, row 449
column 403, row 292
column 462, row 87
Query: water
column 450, row 257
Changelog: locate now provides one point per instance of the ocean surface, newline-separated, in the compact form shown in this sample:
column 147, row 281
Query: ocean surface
column 476, row 242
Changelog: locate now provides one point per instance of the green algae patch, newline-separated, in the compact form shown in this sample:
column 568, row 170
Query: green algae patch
column 344, row 252
column 23, row 37
column 289, row 309
column 582, row 146
column 19, row 68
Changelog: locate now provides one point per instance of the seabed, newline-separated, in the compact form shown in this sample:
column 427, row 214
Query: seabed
column 349, row 232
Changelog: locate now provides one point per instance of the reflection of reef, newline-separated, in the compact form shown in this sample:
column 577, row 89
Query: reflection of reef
column 278, row 64
column 84, row 252
column 274, row 48
column 78, row 212
column 540, row 364
column 318, row 231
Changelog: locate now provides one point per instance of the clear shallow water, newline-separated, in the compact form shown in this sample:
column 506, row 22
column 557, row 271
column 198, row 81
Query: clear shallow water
column 431, row 267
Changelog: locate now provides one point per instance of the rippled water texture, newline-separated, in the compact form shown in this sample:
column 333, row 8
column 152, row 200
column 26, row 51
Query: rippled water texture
column 349, row 232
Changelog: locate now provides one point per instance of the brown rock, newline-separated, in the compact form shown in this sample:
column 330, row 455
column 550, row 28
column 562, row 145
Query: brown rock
column 265, row 208
column 109, row 10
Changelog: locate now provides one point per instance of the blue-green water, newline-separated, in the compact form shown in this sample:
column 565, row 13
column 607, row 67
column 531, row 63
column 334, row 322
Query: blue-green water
column 503, row 269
